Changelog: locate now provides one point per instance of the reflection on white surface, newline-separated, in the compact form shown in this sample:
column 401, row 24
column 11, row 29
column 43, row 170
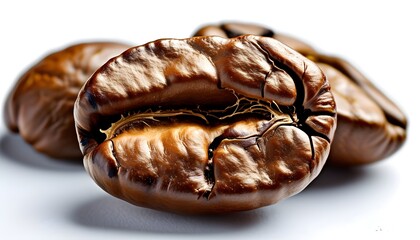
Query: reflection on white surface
column 111, row 213
column 15, row 149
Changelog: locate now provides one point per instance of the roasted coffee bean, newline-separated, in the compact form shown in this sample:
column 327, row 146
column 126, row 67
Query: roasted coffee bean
column 370, row 126
column 40, row 107
column 206, row 124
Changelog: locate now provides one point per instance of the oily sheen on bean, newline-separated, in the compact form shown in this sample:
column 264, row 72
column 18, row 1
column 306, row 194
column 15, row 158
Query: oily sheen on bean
column 370, row 126
column 206, row 124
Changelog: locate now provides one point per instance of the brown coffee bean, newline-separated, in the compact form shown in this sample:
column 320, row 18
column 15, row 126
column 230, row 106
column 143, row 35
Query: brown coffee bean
column 206, row 124
column 40, row 107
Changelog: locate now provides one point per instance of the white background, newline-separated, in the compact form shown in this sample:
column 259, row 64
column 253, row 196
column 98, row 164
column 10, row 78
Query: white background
column 42, row 198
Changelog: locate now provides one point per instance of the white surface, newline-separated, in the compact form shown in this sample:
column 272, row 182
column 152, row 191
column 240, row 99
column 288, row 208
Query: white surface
column 42, row 198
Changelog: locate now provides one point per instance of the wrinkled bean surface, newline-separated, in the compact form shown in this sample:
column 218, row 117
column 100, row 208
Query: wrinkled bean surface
column 206, row 124
column 370, row 126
